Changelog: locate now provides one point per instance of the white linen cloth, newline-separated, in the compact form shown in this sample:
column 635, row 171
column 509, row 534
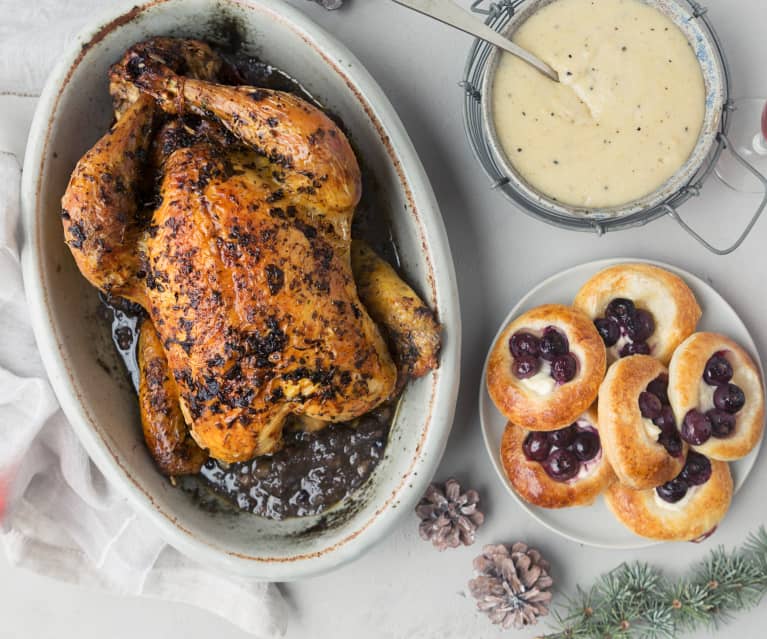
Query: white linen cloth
column 58, row 515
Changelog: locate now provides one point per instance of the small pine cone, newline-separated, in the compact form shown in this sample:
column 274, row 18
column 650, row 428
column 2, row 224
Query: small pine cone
column 513, row 585
column 449, row 518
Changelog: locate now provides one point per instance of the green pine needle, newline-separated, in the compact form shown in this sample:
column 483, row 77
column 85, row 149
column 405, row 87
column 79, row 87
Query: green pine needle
column 637, row 601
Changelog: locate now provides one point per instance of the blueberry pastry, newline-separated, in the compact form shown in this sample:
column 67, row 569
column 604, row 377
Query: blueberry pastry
column 639, row 309
column 716, row 391
column 687, row 508
column 637, row 425
column 559, row 468
column 545, row 369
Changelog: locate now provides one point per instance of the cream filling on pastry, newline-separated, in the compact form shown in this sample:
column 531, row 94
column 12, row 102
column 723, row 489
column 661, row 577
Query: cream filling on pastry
column 705, row 397
column 653, row 432
column 542, row 383
column 680, row 505
column 587, row 468
column 615, row 350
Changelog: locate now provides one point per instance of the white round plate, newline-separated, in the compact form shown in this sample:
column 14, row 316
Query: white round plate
column 595, row 525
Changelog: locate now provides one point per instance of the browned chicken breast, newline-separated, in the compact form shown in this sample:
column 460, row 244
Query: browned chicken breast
column 244, row 267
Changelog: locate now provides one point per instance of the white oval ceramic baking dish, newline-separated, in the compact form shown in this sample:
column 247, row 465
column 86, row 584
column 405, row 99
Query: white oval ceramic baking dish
column 73, row 112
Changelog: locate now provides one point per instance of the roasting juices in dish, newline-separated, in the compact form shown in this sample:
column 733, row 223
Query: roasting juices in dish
column 223, row 213
column 625, row 116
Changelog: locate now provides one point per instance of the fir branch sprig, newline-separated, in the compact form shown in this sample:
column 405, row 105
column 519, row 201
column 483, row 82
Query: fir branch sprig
column 637, row 601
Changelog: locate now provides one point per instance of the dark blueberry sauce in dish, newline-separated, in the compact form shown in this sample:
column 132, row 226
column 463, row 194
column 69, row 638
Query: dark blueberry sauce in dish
column 729, row 399
column 624, row 320
column 562, row 452
column 654, row 405
column 529, row 351
column 314, row 470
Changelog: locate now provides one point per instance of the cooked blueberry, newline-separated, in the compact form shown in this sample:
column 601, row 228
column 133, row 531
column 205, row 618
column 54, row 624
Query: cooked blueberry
column 620, row 309
column 609, row 330
column 696, row 428
column 659, row 388
column 586, row 445
column 564, row 368
column 635, row 348
column 729, row 397
column 697, row 469
column 553, row 344
column 722, row 423
column 536, row 446
column 640, row 326
column 523, row 343
column 563, row 437
column 672, row 442
column 665, row 421
column 718, row 370
column 562, row 465
column 649, row 405
column 673, row 491
column 525, row 366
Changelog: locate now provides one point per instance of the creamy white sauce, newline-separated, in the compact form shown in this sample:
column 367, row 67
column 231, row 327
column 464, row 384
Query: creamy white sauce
column 542, row 383
column 626, row 115
column 681, row 504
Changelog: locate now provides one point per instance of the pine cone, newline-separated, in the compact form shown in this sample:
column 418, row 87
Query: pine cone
column 449, row 518
column 513, row 584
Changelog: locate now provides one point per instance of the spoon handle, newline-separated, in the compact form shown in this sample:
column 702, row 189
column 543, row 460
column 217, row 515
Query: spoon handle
column 452, row 15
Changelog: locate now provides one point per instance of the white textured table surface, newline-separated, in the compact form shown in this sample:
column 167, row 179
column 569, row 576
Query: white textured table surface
column 404, row 589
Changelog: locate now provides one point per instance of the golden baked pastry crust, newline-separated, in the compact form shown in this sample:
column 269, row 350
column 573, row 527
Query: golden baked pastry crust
column 639, row 511
column 686, row 378
column 665, row 295
column 532, row 483
column 638, row 459
column 568, row 401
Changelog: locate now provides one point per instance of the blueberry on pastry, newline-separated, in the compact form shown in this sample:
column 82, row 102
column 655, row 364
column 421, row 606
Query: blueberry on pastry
column 637, row 424
column 639, row 309
column 560, row 468
column 545, row 369
column 686, row 508
column 716, row 390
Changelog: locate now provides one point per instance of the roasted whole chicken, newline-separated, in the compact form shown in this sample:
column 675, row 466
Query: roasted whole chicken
column 242, row 261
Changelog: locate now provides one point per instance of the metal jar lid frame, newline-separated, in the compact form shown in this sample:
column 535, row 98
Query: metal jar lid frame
column 498, row 14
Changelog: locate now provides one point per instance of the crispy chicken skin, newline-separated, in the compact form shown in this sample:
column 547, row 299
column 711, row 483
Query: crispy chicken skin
column 413, row 331
column 243, row 266
column 192, row 58
column 165, row 431
column 101, row 216
column 254, row 299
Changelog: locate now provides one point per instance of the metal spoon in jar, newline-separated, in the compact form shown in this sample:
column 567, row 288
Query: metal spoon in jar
column 452, row 15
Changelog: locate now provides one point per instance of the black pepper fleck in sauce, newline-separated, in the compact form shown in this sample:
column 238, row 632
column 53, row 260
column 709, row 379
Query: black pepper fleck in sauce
column 314, row 470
